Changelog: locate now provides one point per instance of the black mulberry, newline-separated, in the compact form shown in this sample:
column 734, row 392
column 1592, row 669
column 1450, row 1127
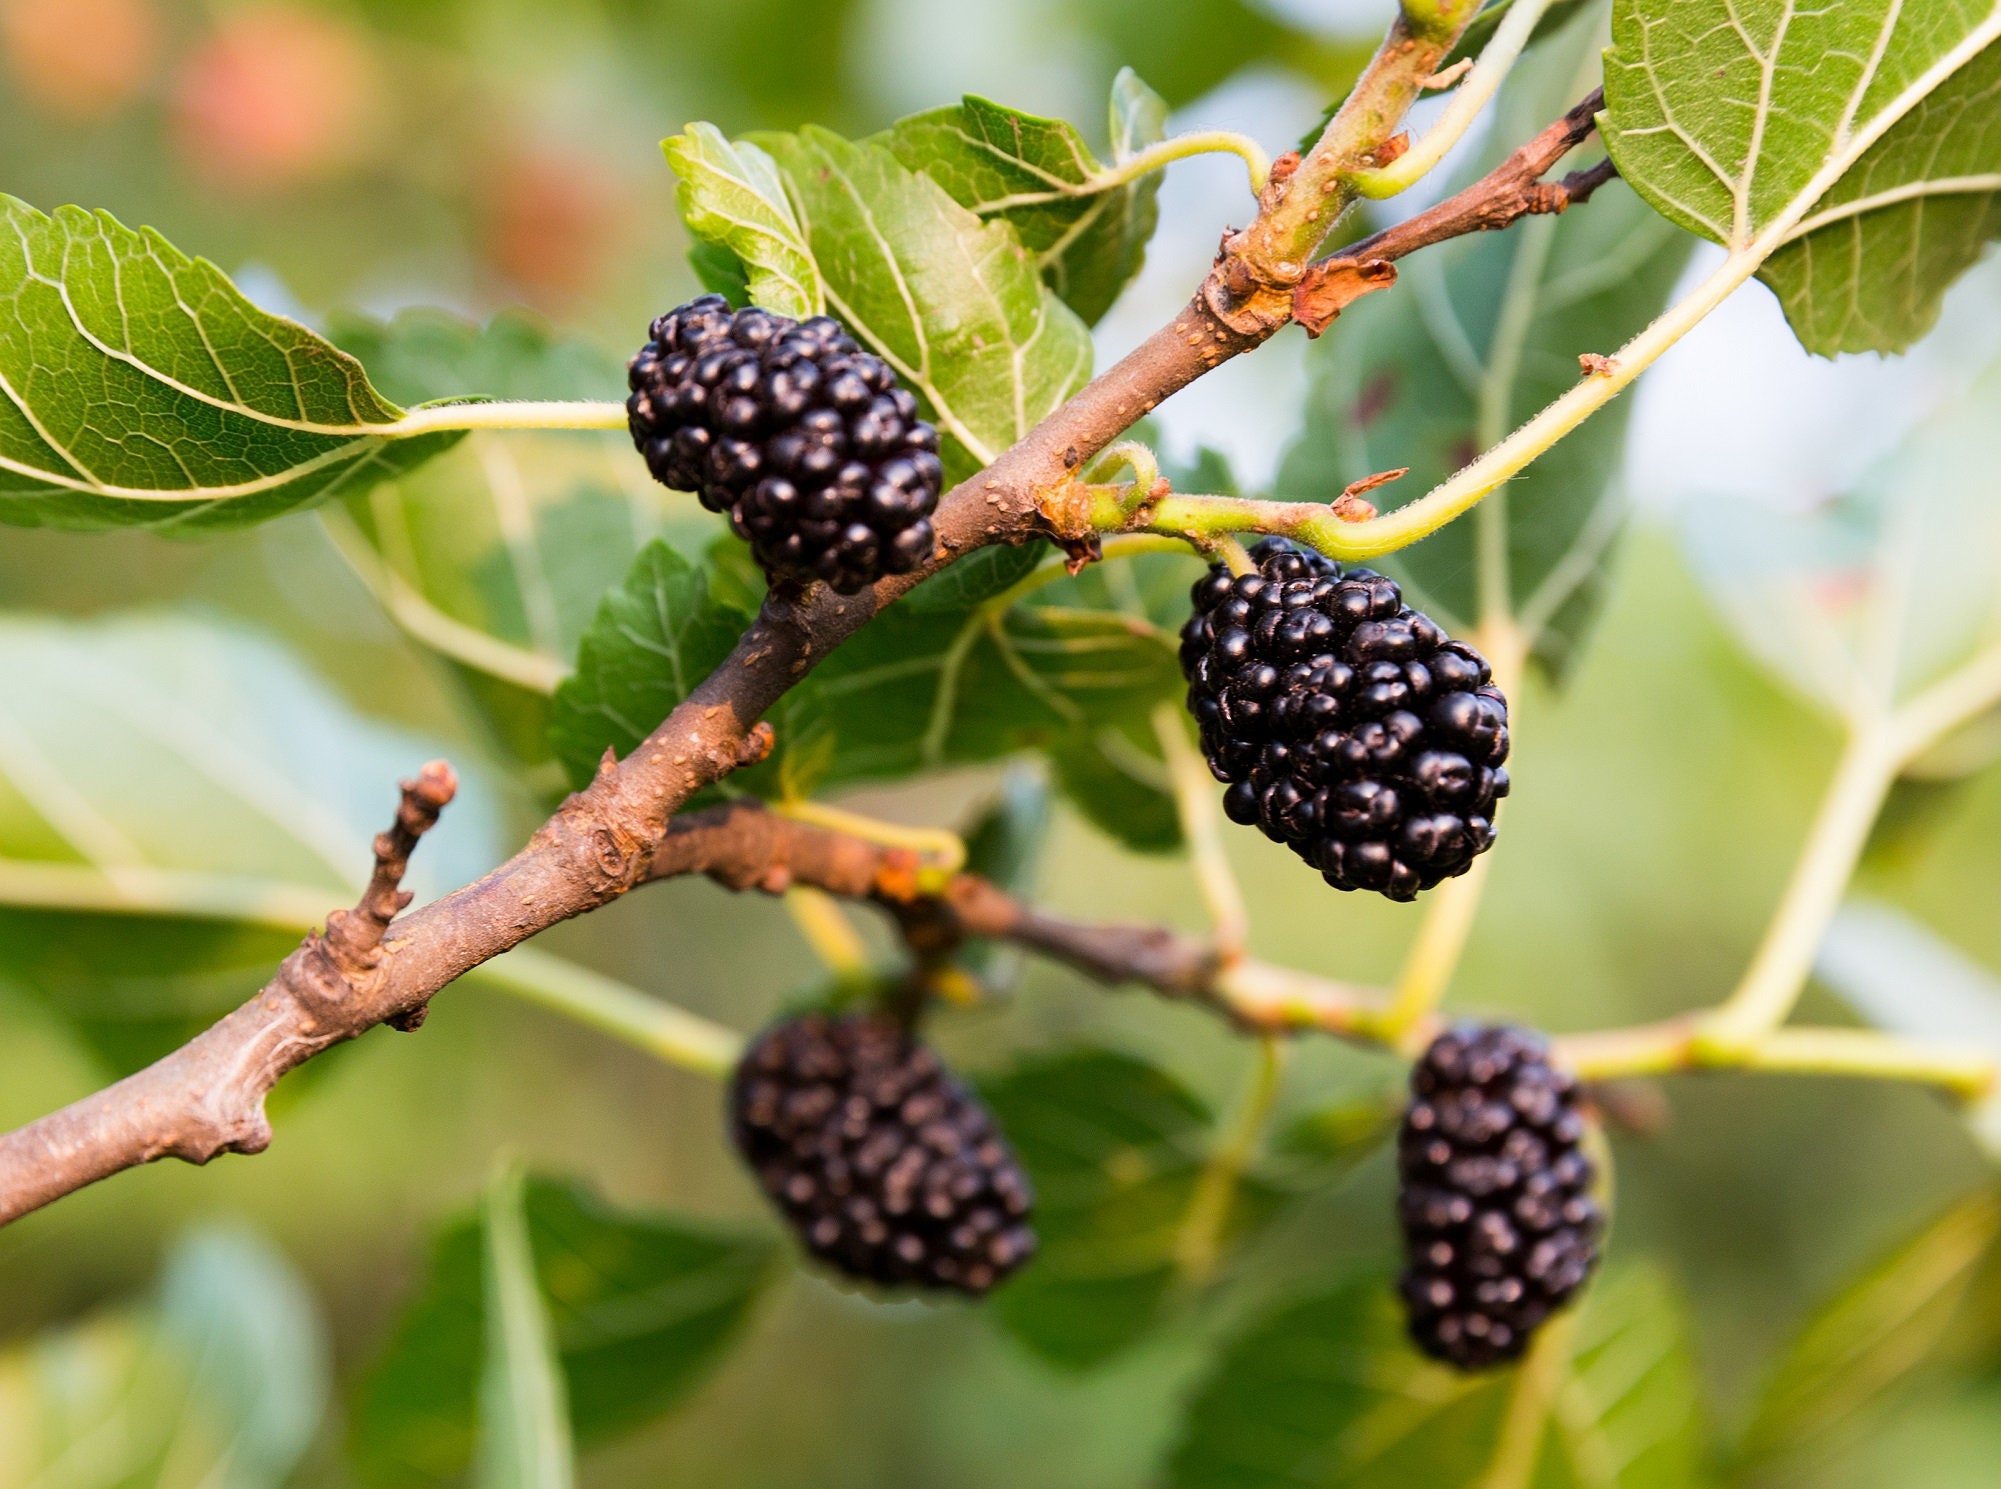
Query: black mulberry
column 805, row 440
column 1500, row 1228
column 1345, row 724
column 886, row 1166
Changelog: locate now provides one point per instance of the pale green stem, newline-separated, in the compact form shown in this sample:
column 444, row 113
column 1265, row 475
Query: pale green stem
column 825, row 927
column 615, row 1008
column 1183, row 147
column 661, row 1029
column 1154, row 157
column 1475, row 91
column 1664, row 1048
column 136, row 890
column 1203, row 519
column 1281, row 1000
column 1772, row 983
column 1199, row 1244
column 945, row 849
column 1537, row 1385
column 1452, row 908
column 1202, row 825
column 1496, row 400
column 1868, row 1052
column 449, row 417
column 427, row 624
column 1236, row 557
column 1952, row 701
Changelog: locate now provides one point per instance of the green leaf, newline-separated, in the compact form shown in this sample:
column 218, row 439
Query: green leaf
column 142, row 389
column 1825, row 597
column 424, row 355
column 1326, row 1391
column 975, row 579
column 955, row 305
column 1477, row 336
column 498, row 554
column 1629, row 1413
column 916, row 690
column 1188, row 47
column 1476, row 36
column 721, row 272
column 1088, row 233
column 1114, row 1148
column 222, row 1381
column 1005, row 846
column 732, row 196
column 524, row 1412
column 642, row 1306
column 655, row 637
column 1856, row 143
column 1872, row 1337
column 179, row 798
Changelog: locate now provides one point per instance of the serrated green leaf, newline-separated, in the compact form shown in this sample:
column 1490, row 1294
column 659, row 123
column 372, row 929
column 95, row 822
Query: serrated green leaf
column 1856, row 143
column 1326, row 1391
column 221, row 1381
column 1088, row 233
column 655, row 637
column 1477, row 336
column 1114, row 1148
column 642, row 1306
column 524, row 1408
column 732, row 195
column 142, row 389
column 1872, row 1337
column 955, row 305
column 178, row 798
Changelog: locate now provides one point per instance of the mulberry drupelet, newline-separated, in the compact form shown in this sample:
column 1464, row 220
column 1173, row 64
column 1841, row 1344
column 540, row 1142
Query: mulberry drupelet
column 1500, row 1228
column 1345, row 724
column 805, row 440
column 886, row 1166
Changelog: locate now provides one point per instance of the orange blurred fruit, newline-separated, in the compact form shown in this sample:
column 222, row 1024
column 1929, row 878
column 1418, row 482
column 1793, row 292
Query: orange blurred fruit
column 81, row 59
column 275, row 96
column 551, row 215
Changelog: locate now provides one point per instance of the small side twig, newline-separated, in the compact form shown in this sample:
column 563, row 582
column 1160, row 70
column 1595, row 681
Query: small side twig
column 1511, row 191
column 207, row 1098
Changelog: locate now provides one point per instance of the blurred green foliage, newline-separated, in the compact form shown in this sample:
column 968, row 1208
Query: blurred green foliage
column 1806, row 1289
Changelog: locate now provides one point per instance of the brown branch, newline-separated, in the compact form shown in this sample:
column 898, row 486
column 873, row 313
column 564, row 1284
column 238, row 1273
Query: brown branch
column 1504, row 196
column 207, row 1098
column 741, row 846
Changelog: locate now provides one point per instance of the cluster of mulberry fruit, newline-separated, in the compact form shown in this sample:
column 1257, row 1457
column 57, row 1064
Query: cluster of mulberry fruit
column 1500, row 1228
column 1345, row 724
column 805, row 440
column 886, row 1166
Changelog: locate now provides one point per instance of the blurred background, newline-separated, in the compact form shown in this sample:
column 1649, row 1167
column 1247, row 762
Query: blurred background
column 477, row 155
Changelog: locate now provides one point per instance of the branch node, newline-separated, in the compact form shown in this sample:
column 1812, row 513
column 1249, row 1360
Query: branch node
column 756, row 745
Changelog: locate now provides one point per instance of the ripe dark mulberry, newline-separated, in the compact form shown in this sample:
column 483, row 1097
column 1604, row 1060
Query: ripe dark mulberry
column 1499, row 1225
column 885, row 1165
column 1345, row 724
column 804, row 439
